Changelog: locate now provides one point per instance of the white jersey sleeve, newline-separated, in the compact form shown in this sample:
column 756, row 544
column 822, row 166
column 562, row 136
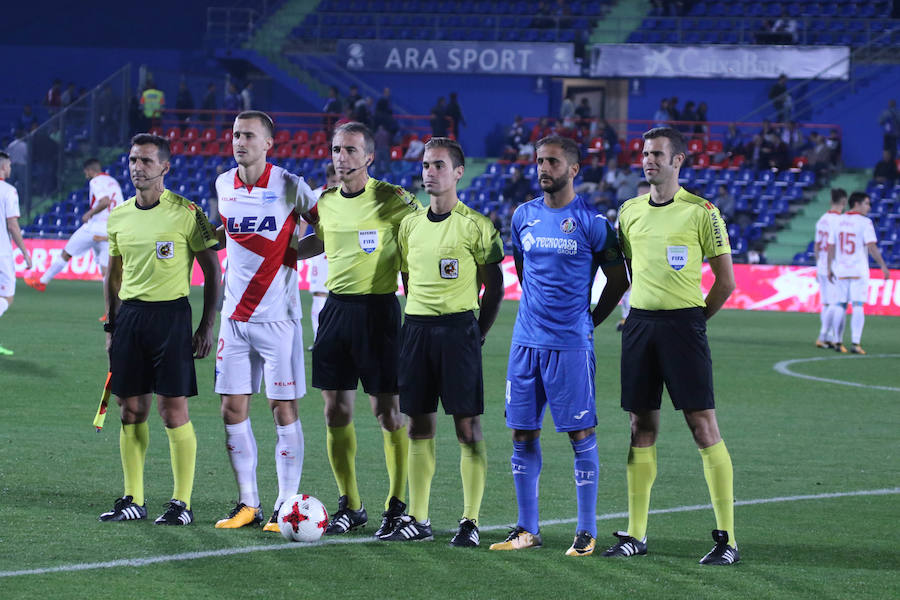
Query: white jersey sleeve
column 103, row 186
column 9, row 209
column 296, row 189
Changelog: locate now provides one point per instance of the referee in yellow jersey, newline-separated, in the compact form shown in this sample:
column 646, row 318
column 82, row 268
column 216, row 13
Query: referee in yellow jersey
column 359, row 326
column 665, row 236
column 153, row 240
column 446, row 254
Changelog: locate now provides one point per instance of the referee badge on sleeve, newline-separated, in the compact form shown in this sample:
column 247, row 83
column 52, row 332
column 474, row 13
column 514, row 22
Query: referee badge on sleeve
column 165, row 249
column 449, row 268
column 677, row 256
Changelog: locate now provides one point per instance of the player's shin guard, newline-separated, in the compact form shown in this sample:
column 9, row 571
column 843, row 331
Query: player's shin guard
column 56, row 266
column 341, row 445
column 133, row 442
column 526, row 469
column 587, row 467
column 720, row 480
column 473, row 470
column 421, row 472
column 641, row 473
column 183, row 453
column 857, row 321
column 396, row 459
column 288, row 460
column 242, row 453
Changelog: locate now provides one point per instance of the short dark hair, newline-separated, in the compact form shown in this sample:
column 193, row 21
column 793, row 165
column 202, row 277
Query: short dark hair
column 856, row 198
column 263, row 118
column 568, row 145
column 453, row 148
column 4, row 156
column 357, row 127
column 163, row 150
column 92, row 163
column 838, row 195
column 676, row 138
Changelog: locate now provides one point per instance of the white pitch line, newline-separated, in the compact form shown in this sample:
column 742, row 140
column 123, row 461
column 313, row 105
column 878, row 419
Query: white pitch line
column 782, row 367
column 150, row 560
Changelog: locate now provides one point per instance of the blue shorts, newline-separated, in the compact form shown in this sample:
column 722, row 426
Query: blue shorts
column 562, row 378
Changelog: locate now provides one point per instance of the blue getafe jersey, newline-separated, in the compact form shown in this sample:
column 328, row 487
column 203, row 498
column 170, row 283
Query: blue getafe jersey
column 561, row 250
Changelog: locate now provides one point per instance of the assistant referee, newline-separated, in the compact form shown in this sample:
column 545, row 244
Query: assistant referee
column 153, row 240
column 665, row 236
column 446, row 254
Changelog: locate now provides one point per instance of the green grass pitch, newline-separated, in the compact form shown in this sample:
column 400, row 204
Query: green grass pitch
column 789, row 437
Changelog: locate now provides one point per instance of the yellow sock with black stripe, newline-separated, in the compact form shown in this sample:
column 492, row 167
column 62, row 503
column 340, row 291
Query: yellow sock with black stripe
column 396, row 456
column 133, row 442
column 720, row 479
column 641, row 473
column 340, row 442
column 421, row 471
column 183, row 453
column 473, row 470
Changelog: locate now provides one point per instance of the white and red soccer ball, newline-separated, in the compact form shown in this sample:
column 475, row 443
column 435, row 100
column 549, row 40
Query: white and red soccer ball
column 302, row 518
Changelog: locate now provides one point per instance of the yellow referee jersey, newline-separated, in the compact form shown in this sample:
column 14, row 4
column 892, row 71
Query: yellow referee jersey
column 360, row 236
column 441, row 253
column 157, row 246
column 666, row 244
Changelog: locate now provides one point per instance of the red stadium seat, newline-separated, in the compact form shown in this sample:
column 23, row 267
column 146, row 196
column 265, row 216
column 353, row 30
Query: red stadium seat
column 284, row 151
column 799, row 162
column 225, row 149
column 301, row 136
column 211, row 149
column 695, row 146
column 701, row 161
column 321, row 151
column 635, row 145
column 157, row 131
column 301, row 150
column 209, row 135
column 282, row 136
column 397, row 153
column 596, row 145
column 736, row 161
column 176, row 147
column 173, row 134
column 226, row 136
column 193, row 148
column 714, row 146
column 318, row 137
column 190, row 134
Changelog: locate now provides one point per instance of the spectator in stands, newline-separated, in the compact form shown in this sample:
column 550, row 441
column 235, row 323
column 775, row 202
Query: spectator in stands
column 674, row 111
column 541, row 129
column 757, row 155
column 383, row 141
column 733, row 144
column 362, row 111
column 184, row 101
column 591, row 177
column 232, row 102
column 210, row 104
column 517, row 188
column 25, row 119
column 777, row 152
column 778, row 94
column 353, row 97
column 661, row 117
column 783, row 29
column 415, row 151
column 347, row 117
column 108, row 117
column 890, row 126
column 700, row 127
column 53, row 100
column 834, row 147
column 68, row 96
column 45, row 159
column 724, row 201
column 885, row 171
column 515, row 138
column 688, row 115
column 439, row 118
column 18, row 157
column 818, row 155
column 454, row 111
column 152, row 102
column 792, row 137
column 331, row 109
column 583, row 111
column 384, row 115
column 247, row 96
column 567, row 111
column 628, row 181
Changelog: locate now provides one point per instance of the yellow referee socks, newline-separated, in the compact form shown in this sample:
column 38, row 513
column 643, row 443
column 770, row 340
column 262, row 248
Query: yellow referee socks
column 641, row 473
column 340, row 442
column 396, row 451
column 133, row 442
column 473, row 470
column 421, row 471
column 720, row 480
column 183, row 453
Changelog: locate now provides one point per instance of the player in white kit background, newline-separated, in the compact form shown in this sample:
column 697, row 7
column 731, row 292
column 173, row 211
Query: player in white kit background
column 260, row 336
column 851, row 243
column 318, row 265
column 827, row 289
column 9, row 213
column 105, row 194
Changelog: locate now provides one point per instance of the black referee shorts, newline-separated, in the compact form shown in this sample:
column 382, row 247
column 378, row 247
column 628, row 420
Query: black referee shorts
column 441, row 357
column 151, row 349
column 666, row 346
column 357, row 341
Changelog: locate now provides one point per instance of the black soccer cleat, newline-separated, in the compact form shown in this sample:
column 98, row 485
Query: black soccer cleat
column 626, row 546
column 391, row 517
column 410, row 530
column 345, row 519
column 177, row 513
column 467, row 535
column 125, row 510
column 722, row 554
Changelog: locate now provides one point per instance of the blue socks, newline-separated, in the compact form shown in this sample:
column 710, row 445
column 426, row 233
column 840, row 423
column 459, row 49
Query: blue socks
column 526, row 468
column 587, row 465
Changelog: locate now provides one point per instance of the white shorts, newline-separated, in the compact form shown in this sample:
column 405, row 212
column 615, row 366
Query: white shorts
column 828, row 292
column 854, row 290
column 245, row 351
column 7, row 276
column 317, row 274
column 83, row 240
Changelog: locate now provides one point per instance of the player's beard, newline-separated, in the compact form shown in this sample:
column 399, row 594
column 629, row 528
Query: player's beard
column 556, row 184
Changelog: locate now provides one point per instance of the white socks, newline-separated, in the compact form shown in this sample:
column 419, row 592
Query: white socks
column 835, row 322
column 288, row 460
column 857, row 320
column 823, row 317
column 317, row 303
column 3, row 306
column 242, row 451
column 56, row 266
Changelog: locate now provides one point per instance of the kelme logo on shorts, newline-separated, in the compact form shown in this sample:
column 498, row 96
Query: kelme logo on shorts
column 165, row 249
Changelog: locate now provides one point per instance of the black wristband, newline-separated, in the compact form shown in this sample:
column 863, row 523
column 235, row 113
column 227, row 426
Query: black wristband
column 108, row 327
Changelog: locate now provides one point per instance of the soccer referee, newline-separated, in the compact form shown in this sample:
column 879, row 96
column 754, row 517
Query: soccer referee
column 446, row 254
column 153, row 240
column 665, row 235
